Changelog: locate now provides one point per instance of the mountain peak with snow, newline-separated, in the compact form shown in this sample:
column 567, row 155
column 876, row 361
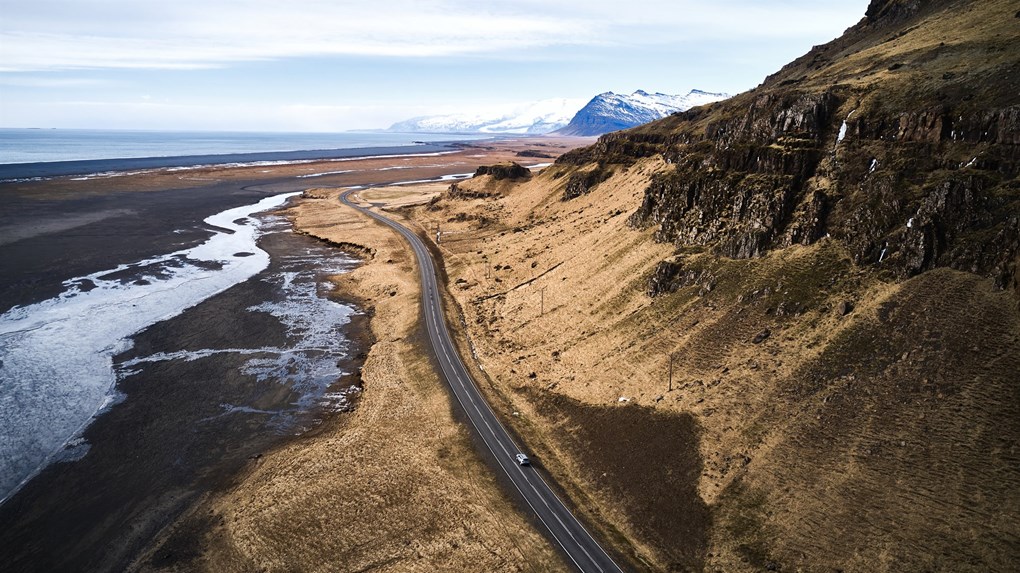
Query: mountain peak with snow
column 532, row 118
column 604, row 113
column 612, row 112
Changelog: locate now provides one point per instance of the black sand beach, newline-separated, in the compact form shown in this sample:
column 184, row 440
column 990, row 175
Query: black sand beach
column 48, row 237
column 85, row 167
column 181, row 428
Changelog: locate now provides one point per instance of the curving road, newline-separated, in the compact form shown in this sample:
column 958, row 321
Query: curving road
column 562, row 526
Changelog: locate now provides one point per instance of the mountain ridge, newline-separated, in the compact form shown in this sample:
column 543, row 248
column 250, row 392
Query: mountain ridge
column 610, row 111
column 605, row 112
column 779, row 332
column 535, row 118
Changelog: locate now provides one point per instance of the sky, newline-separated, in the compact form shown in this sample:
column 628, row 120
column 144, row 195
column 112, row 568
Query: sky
column 336, row 65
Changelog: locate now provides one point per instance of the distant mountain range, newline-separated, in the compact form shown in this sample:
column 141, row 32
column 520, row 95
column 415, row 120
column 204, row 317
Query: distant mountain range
column 534, row 118
column 612, row 112
column 604, row 113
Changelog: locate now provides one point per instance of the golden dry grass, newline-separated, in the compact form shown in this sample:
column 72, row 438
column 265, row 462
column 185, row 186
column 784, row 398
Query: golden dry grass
column 867, row 441
column 396, row 485
column 402, row 195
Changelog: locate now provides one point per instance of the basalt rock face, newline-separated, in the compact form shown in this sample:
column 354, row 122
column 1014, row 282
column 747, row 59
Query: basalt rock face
column 501, row 171
column 903, row 147
column 584, row 181
column 671, row 275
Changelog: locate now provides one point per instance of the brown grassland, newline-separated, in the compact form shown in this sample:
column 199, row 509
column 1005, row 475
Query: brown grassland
column 802, row 407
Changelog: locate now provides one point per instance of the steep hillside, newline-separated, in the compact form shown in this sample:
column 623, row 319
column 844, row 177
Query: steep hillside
column 898, row 139
column 780, row 332
column 612, row 112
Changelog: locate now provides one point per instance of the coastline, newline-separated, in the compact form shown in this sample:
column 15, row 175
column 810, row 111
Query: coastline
column 49, row 169
column 79, row 224
column 402, row 393
column 414, row 493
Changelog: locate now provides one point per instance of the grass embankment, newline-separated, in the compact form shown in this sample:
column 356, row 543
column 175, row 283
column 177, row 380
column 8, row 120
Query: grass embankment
column 822, row 415
column 395, row 485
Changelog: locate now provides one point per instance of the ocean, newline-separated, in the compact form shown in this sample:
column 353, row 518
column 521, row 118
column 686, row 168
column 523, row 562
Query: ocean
column 48, row 145
column 153, row 344
column 28, row 153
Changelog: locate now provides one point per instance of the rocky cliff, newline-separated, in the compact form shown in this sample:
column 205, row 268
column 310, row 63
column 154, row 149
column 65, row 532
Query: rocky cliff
column 779, row 332
column 899, row 139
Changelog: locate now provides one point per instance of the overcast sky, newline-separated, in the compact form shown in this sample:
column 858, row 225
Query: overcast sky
column 330, row 65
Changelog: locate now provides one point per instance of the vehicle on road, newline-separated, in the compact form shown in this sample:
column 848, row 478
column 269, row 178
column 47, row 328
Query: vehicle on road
column 562, row 526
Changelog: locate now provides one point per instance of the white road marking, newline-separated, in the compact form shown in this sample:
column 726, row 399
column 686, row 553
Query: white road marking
column 459, row 372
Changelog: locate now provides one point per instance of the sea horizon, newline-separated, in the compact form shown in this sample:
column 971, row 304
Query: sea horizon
column 31, row 153
column 23, row 146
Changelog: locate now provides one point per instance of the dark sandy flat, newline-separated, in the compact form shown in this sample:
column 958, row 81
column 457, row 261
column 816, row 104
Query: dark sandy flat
column 182, row 428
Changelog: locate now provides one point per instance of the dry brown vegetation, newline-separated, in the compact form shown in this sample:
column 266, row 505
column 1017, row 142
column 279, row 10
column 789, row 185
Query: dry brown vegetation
column 395, row 485
column 825, row 412
column 823, row 415
column 841, row 316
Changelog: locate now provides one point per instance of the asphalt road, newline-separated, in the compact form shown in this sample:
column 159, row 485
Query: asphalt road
column 562, row 526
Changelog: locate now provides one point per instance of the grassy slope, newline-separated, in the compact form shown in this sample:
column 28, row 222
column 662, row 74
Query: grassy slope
column 395, row 485
column 882, row 439
column 874, row 440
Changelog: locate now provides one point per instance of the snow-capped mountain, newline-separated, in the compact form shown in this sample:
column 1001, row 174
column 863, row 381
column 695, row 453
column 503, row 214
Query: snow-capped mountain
column 611, row 112
column 606, row 112
column 533, row 118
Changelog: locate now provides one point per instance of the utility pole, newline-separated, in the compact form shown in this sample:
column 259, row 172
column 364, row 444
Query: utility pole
column 542, row 303
column 438, row 233
column 671, row 354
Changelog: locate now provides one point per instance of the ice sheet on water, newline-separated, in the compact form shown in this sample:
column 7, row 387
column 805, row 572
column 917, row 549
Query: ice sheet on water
column 313, row 323
column 56, row 356
column 309, row 363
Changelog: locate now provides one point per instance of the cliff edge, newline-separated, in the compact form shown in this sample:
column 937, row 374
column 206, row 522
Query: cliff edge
column 779, row 332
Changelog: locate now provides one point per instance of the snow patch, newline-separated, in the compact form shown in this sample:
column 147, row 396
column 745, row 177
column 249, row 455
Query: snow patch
column 340, row 172
column 843, row 128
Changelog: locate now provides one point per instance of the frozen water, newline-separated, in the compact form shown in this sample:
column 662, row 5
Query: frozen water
column 56, row 356
column 843, row 128
column 309, row 362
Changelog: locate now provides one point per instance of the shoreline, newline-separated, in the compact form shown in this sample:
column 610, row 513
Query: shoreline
column 14, row 172
column 398, row 441
column 55, row 229
column 185, row 426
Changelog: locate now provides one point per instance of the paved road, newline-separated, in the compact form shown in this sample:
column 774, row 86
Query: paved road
column 561, row 524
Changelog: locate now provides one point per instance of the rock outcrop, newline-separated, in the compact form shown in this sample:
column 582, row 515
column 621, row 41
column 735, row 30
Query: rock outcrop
column 501, row 171
column 881, row 139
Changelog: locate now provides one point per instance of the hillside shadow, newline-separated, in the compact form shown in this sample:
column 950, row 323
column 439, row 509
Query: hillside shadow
column 645, row 463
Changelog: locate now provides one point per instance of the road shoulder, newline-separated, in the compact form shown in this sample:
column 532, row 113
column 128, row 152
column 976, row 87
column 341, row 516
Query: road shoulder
column 398, row 486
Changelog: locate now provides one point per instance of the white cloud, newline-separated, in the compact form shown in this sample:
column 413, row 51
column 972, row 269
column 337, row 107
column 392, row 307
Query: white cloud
column 82, row 34
column 23, row 81
column 196, row 34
